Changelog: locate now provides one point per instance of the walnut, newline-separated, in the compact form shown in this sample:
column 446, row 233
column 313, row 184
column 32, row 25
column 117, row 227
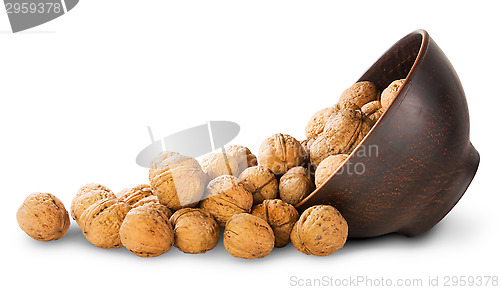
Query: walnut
column 342, row 134
column 247, row 236
column 260, row 182
column 316, row 124
column 280, row 216
column 196, row 230
column 295, row 185
column 178, row 181
column 86, row 196
column 243, row 156
column 359, row 94
column 43, row 217
column 281, row 152
column 134, row 195
column 217, row 164
column 390, row 93
column 321, row 230
column 146, row 231
column 225, row 197
column 373, row 110
column 327, row 167
column 101, row 222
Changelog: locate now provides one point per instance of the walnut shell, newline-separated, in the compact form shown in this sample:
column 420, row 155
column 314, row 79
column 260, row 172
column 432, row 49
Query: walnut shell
column 360, row 93
column 147, row 200
column 168, row 159
column 87, row 196
column 146, row 232
column 217, row 164
column 260, row 182
column 295, row 185
column 177, row 184
column 316, row 124
column 280, row 216
column 196, row 230
column 247, row 236
column 135, row 194
column 243, row 156
column 342, row 134
column 327, row 167
column 390, row 93
column 43, row 217
column 321, row 230
column 373, row 110
column 101, row 222
column 281, row 152
column 225, row 197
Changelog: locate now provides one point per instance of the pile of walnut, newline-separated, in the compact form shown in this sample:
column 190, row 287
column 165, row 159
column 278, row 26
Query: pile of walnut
column 187, row 203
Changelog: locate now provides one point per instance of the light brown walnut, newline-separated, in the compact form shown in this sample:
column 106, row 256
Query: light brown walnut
column 101, row 222
column 327, row 167
column 373, row 110
column 281, row 152
column 217, row 164
column 359, row 94
column 243, row 156
column 87, row 196
column 196, row 230
column 247, row 236
column 295, row 185
column 178, row 181
column 260, row 182
column 280, row 216
column 321, row 230
column 146, row 231
column 342, row 134
column 43, row 217
column 225, row 197
column 390, row 93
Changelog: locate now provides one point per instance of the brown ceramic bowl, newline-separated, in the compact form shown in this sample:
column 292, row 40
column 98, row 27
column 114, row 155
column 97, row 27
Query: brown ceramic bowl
column 417, row 161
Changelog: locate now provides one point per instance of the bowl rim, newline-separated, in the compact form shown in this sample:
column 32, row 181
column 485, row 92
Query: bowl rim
column 423, row 48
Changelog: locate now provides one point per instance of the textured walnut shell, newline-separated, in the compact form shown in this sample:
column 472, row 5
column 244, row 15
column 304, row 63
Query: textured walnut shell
column 243, row 156
column 101, row 222
column 217, row 164
column 196, row 230
column 390, row 93
column 316, row 124
column 360, row 93
column 168, row 159
column 342, row 134
column 135, row 194
column 321, row 230
column 147, row 200
column 145, row 231
column 43, row 217
column 280, row 216
column 247, row 236
column 281, row 152
column 225, row 197
column 260, row 182
column 373, row 110
column 87, row 196
column 178, row 186
column 295, row 185
column 327, row 167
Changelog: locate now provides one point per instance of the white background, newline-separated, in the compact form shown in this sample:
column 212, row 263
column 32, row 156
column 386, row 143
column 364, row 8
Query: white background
column 78, row 93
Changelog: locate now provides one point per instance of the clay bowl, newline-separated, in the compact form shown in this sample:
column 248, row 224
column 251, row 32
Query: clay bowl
column 417, row 161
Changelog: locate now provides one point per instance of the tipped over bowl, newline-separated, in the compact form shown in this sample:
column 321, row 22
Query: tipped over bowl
column 417, row 160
